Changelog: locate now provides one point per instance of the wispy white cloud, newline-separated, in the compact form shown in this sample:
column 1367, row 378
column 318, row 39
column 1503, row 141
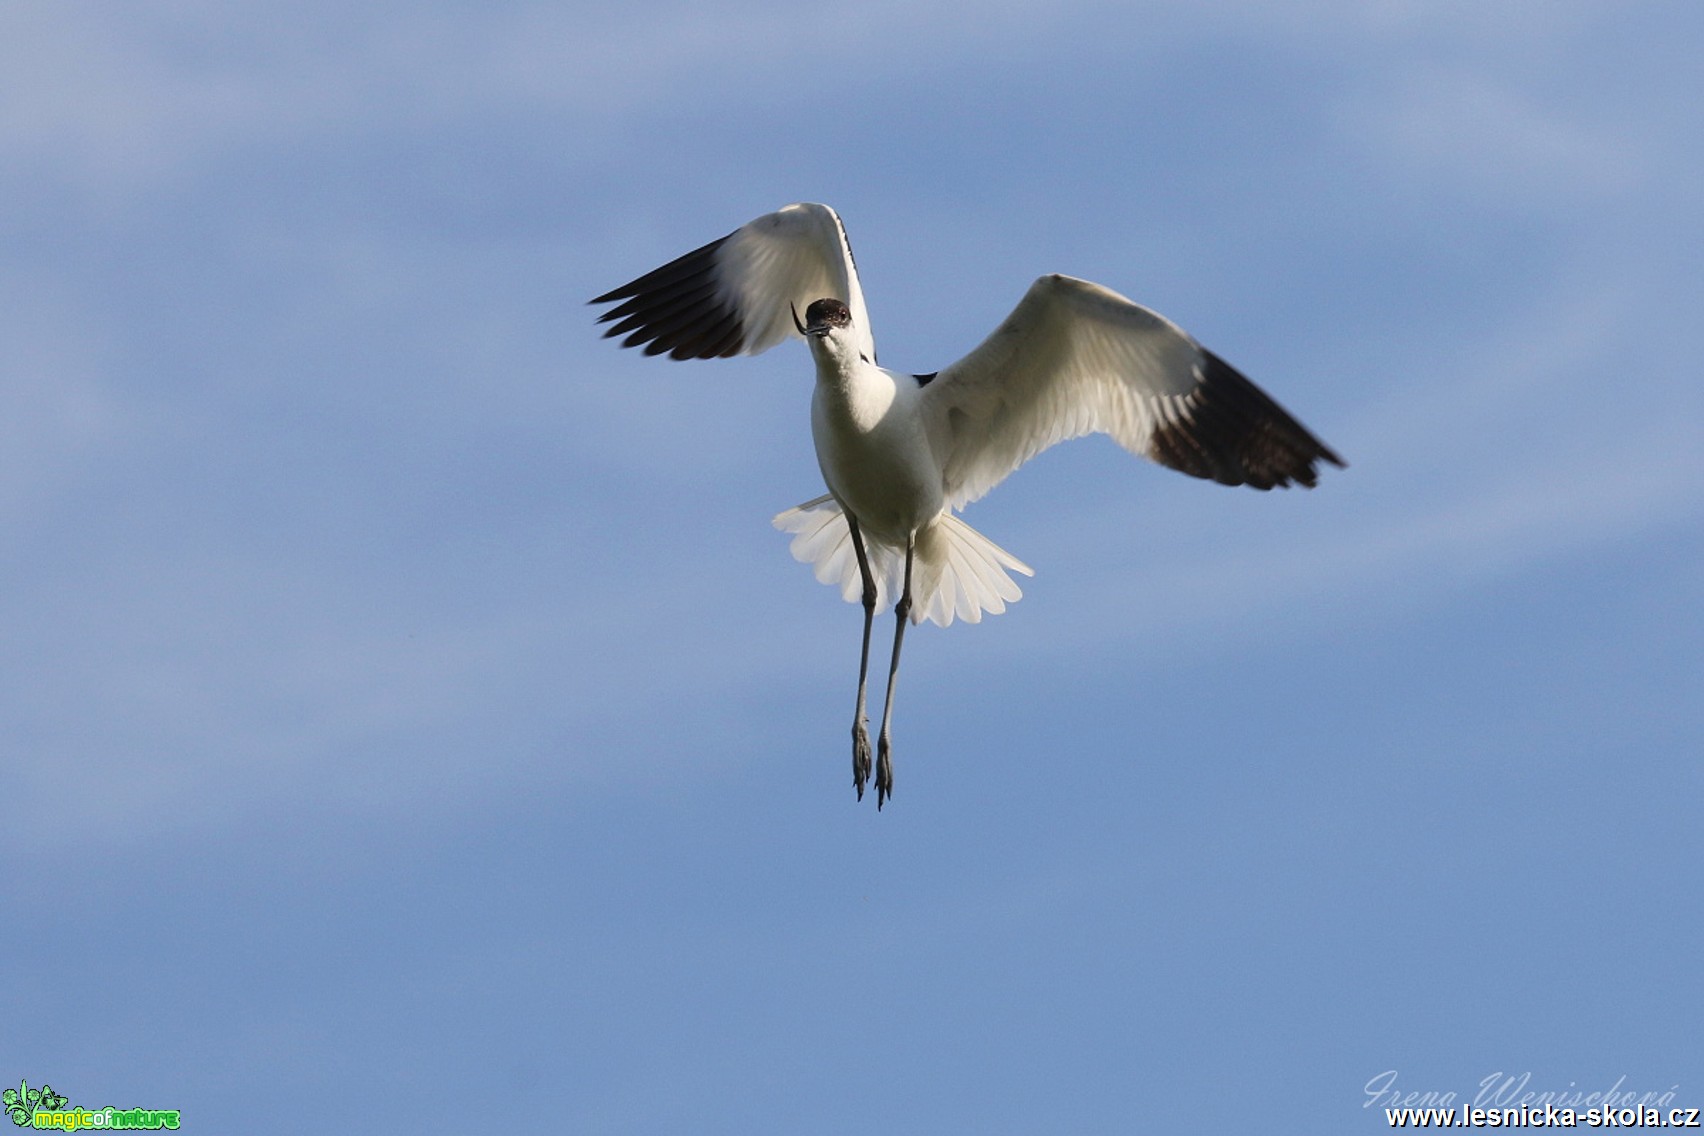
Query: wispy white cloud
column 203, row 690
column 61, row 413
column 101, row 91
column 1482, row 135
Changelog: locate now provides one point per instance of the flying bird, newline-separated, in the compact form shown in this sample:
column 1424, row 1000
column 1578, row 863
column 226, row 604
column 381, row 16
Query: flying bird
column 901, row 453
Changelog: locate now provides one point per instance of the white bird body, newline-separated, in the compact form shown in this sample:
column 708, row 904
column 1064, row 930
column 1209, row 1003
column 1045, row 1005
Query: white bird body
column 881, row 465
column 872, row 446
column 900, row 453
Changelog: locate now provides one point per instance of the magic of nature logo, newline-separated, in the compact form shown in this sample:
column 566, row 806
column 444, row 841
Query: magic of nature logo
column 44, row 1108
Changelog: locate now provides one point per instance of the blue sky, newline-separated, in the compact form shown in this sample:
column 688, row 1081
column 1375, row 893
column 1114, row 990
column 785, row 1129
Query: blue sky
column 410, row 716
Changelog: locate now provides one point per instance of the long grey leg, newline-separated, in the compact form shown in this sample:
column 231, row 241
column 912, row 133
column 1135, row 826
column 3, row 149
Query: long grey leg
column 861, row 719
column 884, row 754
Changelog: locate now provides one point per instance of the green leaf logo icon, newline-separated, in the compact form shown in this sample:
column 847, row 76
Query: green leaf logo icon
column 23, row 1102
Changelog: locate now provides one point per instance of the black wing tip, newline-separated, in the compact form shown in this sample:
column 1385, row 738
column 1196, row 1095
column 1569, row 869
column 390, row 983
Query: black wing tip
column 675, row 309
column 1234, row 433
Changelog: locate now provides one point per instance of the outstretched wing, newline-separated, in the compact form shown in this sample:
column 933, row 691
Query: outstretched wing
column 738, row 295
column 1075, row 358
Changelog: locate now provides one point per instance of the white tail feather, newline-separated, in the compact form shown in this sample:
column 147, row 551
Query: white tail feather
column 956, row 572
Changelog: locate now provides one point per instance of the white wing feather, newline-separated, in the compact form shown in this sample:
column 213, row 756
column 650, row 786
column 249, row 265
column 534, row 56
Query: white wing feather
column 1075, row 358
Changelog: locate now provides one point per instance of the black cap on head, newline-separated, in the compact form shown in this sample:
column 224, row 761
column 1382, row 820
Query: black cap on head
column 827, row 313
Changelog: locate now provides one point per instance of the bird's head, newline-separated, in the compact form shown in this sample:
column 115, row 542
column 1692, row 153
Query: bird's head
column 827, row 327
column 822, row 318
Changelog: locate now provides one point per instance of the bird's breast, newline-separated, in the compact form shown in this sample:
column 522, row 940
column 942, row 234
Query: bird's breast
column 874, row 452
